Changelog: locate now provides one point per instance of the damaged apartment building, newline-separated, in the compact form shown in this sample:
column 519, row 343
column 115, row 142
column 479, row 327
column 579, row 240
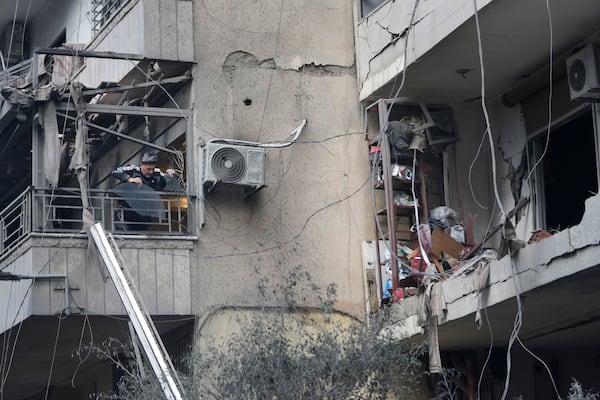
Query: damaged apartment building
column 254, row 107
column 436, row 161
column 482, row 127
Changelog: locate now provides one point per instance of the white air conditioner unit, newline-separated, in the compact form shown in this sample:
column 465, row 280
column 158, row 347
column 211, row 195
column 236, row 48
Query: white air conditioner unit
column 233, row 165
column 583, row 73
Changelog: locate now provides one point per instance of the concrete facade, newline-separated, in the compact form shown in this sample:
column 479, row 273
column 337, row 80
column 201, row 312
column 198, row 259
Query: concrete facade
column 257, row 72
column 556, row 316
column 311, row 214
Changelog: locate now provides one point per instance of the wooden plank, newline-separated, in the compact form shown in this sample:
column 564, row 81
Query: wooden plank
column 441, row 242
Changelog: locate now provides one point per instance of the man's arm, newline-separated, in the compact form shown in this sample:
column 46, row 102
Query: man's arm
column 123, row 173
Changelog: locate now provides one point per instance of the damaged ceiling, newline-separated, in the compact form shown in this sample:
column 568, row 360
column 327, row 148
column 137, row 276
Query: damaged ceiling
column 18, row 113
column 516, row 43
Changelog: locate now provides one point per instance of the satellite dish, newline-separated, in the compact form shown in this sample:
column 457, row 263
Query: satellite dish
column 228, row 164
column 577, row 75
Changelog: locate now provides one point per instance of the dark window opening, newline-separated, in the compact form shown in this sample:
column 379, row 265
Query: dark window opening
column 569, row 171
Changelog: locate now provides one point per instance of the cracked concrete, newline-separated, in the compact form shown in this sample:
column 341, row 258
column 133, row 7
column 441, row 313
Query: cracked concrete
column 242, row 59
column 516, row 175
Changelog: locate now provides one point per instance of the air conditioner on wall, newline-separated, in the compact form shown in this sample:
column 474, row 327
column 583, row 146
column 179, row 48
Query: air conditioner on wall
column 583, row 74
column 233, row 165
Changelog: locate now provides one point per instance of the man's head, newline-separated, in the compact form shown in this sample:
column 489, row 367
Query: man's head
column 148, row 163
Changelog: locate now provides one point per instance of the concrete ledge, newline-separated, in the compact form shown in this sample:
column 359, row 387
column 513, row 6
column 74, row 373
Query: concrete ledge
column 564, row 254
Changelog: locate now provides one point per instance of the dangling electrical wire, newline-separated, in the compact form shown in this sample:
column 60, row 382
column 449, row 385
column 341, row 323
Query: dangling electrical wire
column 60, row 318
column 487, row 117
column 550, row 89
column 416, row 209
column 405, row 60
column 471, row 170
column 12, row 31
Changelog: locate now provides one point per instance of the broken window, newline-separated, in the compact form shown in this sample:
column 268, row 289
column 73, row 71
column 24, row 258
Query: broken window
column 568, row 173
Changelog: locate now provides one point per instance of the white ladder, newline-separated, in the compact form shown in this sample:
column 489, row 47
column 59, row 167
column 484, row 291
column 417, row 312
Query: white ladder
column 144, row 327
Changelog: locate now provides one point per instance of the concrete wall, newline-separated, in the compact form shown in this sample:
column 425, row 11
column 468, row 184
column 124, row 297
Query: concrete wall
column 260, row 70
column 157, row 29
column 477, row 197
column 168, row 29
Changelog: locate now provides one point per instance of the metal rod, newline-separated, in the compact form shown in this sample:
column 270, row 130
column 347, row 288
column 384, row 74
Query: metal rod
column 129, row 110
column 87, row 53
column 176, row 79
column 122, row 136
column 390, row 207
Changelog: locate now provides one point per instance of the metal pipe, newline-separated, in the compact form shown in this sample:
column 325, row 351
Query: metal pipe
column 87, row 53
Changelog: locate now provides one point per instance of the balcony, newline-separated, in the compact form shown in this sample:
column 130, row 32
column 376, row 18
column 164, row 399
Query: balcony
column 159, row 30
column 436, row 42
column 47, row 211
column 41, row 238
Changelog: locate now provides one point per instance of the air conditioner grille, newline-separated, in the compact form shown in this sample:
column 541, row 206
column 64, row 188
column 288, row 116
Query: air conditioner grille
column 583, row 73
column 228, row 164
column 577, row 75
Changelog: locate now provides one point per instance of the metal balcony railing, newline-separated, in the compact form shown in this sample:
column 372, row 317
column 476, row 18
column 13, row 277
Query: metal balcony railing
column 61, row 211
column 103, row 11
column 15, row 222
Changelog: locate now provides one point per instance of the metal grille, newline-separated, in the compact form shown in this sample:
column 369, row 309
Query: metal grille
column 103, row 11
column 15, row 222
column 60, row 211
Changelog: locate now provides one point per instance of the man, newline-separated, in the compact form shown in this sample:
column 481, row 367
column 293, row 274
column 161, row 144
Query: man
column 146, row 173
column 138, row 217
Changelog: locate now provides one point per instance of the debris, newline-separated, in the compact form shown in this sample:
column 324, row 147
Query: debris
column 441, row 242
column 537, row 235
column 446, row 216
